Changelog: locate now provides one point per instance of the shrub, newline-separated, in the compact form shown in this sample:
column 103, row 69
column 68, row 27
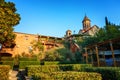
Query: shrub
column 74, row 67
column 31, row 70
column 65, row 67
column 41, row 76
column 66, row 62
column 24, row 64
column 68, row 76
column 108, row 73
column 7, row 59
column 10, row 63
column 28, row 59
column 80, row 67
column 51, row 62
column 50, row 68
column 4, row 72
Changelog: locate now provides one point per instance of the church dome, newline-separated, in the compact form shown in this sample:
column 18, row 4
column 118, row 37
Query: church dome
column 68, row 31
column 85, row 19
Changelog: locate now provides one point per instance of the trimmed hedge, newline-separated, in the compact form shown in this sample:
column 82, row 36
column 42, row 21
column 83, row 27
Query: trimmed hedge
column 51, row 62
column 7, row 58
column 108, row 73
column 31, row 70
column 28, row 59
column 67, row 62
column 74, row 67
column 67, row 76
column 50, row 68
column 41, row 76
column 10, row 63
column 24, row 64
column 4, row 72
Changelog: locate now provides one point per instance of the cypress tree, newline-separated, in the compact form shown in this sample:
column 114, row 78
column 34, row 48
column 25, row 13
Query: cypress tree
column 106, row 21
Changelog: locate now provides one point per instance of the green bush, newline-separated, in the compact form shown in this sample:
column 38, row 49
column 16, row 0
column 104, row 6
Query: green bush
column 41, row 76
column 28, row 59
column 66, row 62
column 24, row 64
column 80, row 67
column 66, row 67
column 51, row 62
column 4, row 72
column 10, row 63
column 108, row 73
column 7, row 58
column 68, row 76
column 31, row 70
column 74, row 67
column 50, row 68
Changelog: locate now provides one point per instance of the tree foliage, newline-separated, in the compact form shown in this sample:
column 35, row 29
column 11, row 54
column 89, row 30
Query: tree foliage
column 55, row 54
column 8, row 19
column 37, row 45
column 73, row 57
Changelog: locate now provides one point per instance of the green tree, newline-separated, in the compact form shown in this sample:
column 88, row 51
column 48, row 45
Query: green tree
column 55, row 54
column 37, row 45
column 8, row 19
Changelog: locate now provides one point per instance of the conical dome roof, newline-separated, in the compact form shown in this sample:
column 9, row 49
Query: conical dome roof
column 85, row 19
column 68, row 30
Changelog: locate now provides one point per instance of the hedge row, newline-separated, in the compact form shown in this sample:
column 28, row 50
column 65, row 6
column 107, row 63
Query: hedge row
column 10, row 63
column 108, row 73
column 6, row 58
column 24, row 64
column 51, row 62
column 57, row 62
column 31, row 70
column 4, row 72
column 20, row 59
column 67, row 76
column 28, row 59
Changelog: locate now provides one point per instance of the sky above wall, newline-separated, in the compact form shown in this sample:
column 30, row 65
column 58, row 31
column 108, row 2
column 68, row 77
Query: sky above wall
column 54, row 17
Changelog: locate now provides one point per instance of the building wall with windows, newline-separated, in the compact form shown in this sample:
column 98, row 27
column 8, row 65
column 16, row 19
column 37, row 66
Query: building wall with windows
column 24, row 44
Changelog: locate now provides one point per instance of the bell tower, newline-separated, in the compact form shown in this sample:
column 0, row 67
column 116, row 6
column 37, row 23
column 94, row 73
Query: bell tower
column 86, row 23
column 68, row 33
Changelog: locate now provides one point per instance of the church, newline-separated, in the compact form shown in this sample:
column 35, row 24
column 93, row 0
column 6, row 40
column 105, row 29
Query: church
column 87, row 31
column 87, row 28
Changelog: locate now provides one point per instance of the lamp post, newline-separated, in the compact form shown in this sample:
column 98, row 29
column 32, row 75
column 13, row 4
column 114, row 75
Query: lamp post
column 86, row 54
column 0, row 46
column 0, row 50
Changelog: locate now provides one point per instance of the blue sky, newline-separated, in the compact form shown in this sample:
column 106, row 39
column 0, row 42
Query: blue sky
column 54, row 17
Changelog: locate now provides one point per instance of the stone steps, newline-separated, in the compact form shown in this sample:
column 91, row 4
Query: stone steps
column 17, row 75
column 13, row 75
